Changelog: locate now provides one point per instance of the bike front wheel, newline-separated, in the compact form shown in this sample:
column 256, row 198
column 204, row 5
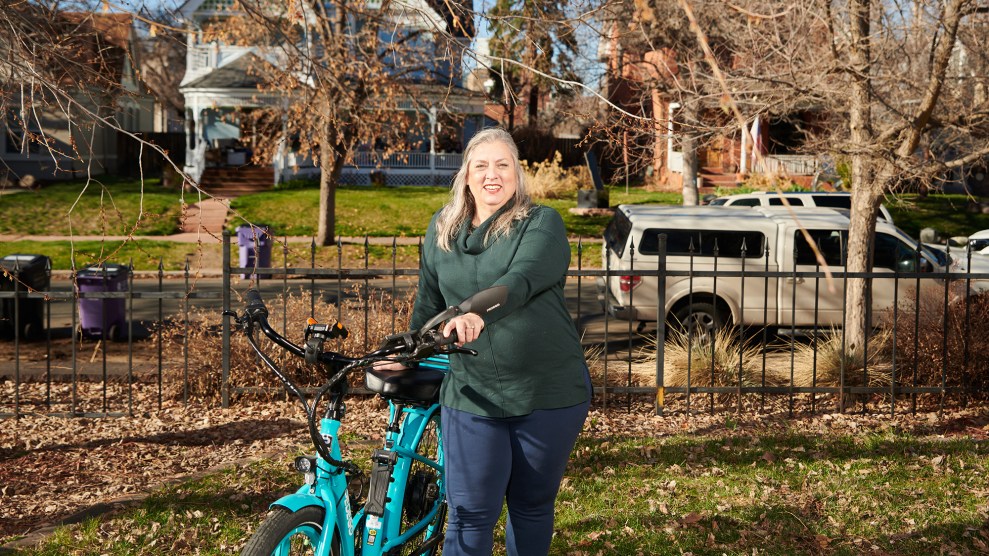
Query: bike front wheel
column 286, row 533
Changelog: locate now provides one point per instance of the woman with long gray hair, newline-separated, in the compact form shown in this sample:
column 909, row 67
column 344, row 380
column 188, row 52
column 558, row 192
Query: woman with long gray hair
column 511, row 415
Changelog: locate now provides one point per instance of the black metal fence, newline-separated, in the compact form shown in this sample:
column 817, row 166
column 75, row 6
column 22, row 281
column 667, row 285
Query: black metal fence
column 933, row 341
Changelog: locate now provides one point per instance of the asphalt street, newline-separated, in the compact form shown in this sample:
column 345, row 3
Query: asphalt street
column 164, row 298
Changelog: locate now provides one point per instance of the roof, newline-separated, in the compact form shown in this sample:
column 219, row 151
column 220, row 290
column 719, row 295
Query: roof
column 113, row 28
column 98, row 42
column 458, row 14
column 235, row 75
column 731, row 216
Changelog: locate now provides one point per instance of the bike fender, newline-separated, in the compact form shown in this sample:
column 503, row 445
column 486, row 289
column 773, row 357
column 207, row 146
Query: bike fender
column 295, row 502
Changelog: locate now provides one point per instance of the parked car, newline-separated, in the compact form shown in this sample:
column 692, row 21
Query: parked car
column 978, row 243
column 957, row 259
column 730, row 239
column 836, row 199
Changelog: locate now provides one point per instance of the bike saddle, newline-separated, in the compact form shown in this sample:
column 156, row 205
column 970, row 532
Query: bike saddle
column 420, row 386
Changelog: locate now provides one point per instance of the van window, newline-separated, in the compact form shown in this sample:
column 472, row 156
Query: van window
column 831, row 243
column 700, row 243
column 750, row 202
column 833, row 201
column 776, row 201
column 892, row 253
column 616, row 234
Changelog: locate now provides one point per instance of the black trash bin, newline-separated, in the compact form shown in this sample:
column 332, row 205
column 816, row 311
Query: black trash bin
column 255, row 247
column 103, row 318
column 23, row 317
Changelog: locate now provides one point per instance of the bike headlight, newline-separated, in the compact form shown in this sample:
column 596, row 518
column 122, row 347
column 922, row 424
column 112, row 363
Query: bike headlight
column 305, row 464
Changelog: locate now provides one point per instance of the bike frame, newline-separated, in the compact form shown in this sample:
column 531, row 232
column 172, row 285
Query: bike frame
column 375, row 529
column 328, row 490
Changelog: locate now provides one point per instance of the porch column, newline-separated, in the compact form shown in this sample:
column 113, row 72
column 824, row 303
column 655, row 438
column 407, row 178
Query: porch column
column 743, row 166
column 669, row 138
column 432, row 140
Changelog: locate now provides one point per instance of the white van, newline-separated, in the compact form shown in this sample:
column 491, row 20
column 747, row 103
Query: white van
column 757, row 239
column 825, row 199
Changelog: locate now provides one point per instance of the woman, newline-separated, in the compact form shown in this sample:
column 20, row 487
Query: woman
column 511, row 414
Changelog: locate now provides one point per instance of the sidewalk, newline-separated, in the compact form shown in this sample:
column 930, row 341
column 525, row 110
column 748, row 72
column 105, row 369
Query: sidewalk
column 207, row 238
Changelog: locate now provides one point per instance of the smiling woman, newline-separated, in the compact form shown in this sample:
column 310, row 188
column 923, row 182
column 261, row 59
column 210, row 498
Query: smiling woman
column 511, row 414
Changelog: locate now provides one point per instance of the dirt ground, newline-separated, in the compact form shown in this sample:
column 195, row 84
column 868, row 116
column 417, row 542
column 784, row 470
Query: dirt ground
column 57, row 469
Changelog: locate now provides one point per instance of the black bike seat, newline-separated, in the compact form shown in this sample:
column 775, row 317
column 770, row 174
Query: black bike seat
column 410, row 385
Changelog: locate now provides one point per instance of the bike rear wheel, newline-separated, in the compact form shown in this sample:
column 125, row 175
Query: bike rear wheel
column 286, row 533
column 422, row 493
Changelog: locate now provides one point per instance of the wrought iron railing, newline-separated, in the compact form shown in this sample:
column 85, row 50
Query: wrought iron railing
column 934, row 349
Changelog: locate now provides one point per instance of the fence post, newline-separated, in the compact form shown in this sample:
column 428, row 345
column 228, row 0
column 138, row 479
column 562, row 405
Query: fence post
column 130, row 337
column 661, row 328
column 224, row 381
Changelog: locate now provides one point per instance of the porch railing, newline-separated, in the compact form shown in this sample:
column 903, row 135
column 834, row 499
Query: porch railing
column 790, row 165
column 407, row 160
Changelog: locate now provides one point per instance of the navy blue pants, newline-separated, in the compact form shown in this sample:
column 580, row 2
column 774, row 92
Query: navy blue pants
column 518, row 460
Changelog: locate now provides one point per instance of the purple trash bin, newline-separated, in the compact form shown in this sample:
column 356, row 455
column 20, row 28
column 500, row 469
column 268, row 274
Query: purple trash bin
column 103, row 318
column 255, row 248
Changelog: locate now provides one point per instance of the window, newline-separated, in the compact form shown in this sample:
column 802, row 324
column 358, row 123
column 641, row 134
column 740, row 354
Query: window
column 893, row 254
column 831, row 244
column 776, row 201
column 833, row 201
column 616, row 234
column 747, row 203
column 702, row 243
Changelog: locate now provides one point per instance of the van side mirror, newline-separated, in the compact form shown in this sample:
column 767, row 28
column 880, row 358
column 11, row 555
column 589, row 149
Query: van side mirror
column 910, row 265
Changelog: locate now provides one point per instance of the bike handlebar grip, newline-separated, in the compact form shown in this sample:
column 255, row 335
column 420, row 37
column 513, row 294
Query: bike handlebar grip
column 255, row 306
column 442, row 340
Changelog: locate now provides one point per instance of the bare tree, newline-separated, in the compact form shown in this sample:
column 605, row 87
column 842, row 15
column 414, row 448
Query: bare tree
column 540, row 36
column 60, row 67
column 353, row 75
column 896, row 84
column 163, row 59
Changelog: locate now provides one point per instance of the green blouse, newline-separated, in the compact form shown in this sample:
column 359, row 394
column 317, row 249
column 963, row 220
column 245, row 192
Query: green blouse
column 529, row 354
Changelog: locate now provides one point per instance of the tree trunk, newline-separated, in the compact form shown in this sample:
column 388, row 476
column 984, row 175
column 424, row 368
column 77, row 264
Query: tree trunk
column 864, row 197
column 326, row 232
column 690, row 164
column 330, row 166
column 533, row 106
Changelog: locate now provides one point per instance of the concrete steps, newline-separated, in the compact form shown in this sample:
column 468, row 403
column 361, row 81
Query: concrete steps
column 713, row 178
column 222, row 184
column 233, row 181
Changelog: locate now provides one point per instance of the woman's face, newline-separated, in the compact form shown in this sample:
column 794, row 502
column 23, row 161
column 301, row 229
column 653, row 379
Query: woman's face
column 491, row 178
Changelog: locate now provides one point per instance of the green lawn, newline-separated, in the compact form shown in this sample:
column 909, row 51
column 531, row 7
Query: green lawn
column 397, row 211
column 107, row 206
column 725, row 491
column 947, row 214
column 128, row 207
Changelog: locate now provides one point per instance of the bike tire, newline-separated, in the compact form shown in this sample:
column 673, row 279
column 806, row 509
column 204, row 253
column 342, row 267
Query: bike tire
column 286, row 533
column 428, row 446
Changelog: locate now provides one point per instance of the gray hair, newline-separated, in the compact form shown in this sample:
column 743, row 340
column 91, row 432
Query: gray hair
column 459, row 210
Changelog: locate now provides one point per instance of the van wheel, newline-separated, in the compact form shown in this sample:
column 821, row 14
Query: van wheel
column 701, row 321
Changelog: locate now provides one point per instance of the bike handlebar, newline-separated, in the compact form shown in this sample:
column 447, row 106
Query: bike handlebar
column 409, row 346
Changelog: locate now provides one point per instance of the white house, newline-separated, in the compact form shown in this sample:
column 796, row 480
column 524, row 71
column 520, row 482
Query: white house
column 219, row 83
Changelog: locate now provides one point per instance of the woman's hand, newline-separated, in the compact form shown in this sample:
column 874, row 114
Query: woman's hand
column 468, row 327
column 387, row 365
